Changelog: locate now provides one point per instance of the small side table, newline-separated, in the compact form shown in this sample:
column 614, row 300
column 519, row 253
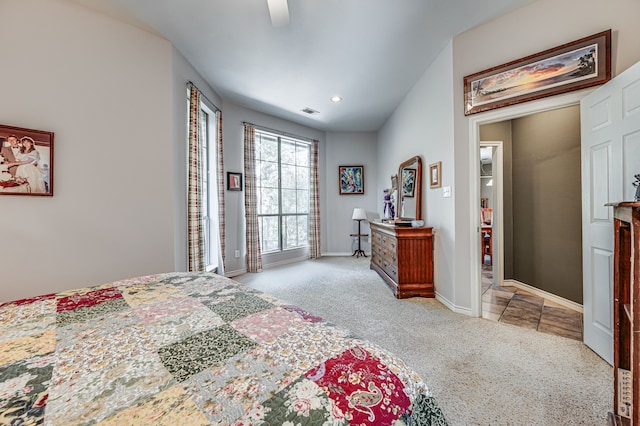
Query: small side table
column 359, row 252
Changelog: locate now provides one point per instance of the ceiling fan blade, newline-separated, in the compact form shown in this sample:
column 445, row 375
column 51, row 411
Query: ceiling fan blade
column 279, row 11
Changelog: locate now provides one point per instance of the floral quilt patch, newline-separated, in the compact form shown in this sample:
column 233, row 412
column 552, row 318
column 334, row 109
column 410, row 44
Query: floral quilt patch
column 24, row 390
column 203, row 350
column 363, row 388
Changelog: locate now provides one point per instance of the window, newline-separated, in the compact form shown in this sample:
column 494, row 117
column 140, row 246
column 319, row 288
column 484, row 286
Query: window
column 283, row 170
column 210, row 220
column 210, row 196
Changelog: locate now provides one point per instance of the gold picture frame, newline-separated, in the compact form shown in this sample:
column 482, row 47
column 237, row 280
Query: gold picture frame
column 435, row 175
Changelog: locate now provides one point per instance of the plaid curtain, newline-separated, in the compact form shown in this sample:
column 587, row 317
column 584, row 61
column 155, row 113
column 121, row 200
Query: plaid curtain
column 314, row 208
column 220, row 182
column 254, row 257
column 195, row 226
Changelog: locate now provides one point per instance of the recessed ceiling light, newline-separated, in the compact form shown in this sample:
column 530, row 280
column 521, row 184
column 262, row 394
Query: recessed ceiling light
column 336, row 99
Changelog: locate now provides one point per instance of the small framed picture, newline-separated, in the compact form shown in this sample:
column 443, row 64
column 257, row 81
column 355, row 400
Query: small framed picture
column 435, row 175
column 351, row 180
column 408, row 182
column 234, row 181
column 26, row 161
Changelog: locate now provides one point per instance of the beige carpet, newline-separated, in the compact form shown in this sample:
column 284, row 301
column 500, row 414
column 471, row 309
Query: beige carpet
column 480, row 372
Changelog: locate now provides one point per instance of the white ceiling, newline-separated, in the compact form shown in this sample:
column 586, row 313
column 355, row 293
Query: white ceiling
column 370, row 52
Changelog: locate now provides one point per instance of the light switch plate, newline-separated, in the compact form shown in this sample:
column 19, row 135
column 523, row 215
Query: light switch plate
column 446, row 191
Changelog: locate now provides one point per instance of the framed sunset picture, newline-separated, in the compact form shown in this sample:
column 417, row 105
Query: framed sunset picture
column 572, row 66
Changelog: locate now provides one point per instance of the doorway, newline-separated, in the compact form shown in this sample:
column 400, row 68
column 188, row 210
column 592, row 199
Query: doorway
column 543, row 226
column 493, row 117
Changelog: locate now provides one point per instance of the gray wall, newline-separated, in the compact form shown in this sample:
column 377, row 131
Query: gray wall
column 547, row 244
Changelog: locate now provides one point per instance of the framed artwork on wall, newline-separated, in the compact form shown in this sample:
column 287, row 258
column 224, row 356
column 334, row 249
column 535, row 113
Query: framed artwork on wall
column 234, row 181
column 351, row 180
column 435, row 175
column 26, row 161
column 576, row 65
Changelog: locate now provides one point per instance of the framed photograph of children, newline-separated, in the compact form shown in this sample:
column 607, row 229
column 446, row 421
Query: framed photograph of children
column 234, row 181
column 435, row 175
column 351, row 180
column 26, row 161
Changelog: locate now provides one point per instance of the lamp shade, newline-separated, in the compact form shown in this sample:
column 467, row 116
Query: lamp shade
column 359, row 214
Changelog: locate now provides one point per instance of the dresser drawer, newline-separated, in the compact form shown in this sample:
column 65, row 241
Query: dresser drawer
column 388, row 242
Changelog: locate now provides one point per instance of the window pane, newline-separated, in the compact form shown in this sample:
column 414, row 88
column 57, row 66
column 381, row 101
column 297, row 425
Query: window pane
column 268, row 201
column 303, row 230
column 289, row 203
column 288, row 152
column 268, row 148
column 302, row 177
column 288, row 177
column 303, row 154
column 268, row 174
column 291, row 232
column 302, row 201
column 269, row 233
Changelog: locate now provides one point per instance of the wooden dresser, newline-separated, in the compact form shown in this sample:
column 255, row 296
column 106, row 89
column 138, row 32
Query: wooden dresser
column 626, row 314
column 403, row 256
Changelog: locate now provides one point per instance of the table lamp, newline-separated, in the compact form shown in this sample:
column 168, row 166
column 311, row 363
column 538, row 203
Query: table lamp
column 359, row 215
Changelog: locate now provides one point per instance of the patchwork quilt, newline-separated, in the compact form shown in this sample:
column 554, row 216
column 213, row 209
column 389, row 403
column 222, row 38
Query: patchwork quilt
column 194, row 349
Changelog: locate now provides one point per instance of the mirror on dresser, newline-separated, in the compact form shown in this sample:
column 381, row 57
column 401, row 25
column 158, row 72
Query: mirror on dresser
column 409, row 199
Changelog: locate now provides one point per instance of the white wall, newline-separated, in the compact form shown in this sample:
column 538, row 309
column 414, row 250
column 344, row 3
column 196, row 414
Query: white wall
column 423, row 125
column 349, row 149
column 539, row 26
column 104, row 89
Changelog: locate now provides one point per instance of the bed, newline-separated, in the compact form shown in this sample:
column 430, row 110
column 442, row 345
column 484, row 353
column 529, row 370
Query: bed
column 194, row 349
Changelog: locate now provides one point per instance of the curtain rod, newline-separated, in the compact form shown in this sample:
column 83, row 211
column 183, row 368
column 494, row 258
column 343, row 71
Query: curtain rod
column 279, row 132
column 205, row 97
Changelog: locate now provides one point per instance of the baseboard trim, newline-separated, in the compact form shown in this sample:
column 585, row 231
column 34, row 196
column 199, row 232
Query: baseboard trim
column 545, row 295
column 267, row 266
column 285, row 262
column 339, row 253
column 230, row 274
column 457, row 309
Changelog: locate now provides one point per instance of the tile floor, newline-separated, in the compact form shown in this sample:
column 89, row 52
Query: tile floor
column 515, row 306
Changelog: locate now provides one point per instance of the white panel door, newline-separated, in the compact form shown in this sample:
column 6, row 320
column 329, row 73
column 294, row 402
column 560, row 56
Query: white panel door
column 610, row 131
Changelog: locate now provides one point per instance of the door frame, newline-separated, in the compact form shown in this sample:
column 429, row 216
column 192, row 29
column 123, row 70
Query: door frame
column 494, row 116
column 498, row 212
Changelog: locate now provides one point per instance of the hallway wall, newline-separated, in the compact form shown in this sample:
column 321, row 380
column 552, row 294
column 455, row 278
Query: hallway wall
column 547, row 225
